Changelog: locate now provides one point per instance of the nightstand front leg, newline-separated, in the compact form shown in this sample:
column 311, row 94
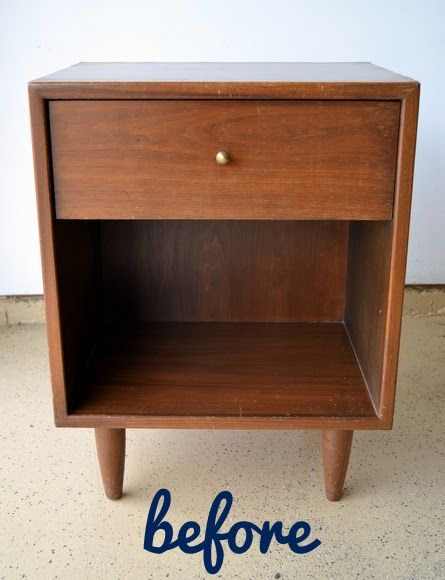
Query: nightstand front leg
column 336, row 451
column 110, row 444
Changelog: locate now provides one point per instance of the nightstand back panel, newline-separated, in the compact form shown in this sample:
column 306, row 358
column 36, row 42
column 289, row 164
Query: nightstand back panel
column 225, row 270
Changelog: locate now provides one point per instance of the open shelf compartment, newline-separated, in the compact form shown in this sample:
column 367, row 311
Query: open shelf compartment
column 227, row 369
column 215, row 323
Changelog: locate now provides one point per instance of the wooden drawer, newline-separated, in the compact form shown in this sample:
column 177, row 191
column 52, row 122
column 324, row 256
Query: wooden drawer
column 289, row 159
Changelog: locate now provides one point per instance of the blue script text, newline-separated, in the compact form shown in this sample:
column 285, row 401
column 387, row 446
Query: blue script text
column 239, row 537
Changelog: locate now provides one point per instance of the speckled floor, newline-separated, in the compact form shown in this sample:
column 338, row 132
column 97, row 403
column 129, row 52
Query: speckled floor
column 56, row 523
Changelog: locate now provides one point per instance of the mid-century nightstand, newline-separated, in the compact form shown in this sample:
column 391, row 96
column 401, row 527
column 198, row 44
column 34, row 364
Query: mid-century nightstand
column 224, row 247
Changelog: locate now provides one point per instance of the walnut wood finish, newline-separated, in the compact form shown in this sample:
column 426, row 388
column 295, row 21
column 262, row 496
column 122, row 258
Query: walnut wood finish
column 111, row 372
column 178, row 369
column 70, row 263
column 156, row 159
column 336, row 451
column 376, row 277
column 110, row 445
column 225, row 270
column 291, row 80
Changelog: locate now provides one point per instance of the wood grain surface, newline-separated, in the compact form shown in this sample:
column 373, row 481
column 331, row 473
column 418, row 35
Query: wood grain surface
column 277, row 370
column 77, row 255
column 290, row 160
column 284, row 80
column 376, row 278
column 224, row 270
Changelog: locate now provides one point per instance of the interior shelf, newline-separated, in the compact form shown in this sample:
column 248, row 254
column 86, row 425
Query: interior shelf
column 225, row 369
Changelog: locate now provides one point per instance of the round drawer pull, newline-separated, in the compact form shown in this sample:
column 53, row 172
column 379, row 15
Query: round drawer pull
column 223, row 157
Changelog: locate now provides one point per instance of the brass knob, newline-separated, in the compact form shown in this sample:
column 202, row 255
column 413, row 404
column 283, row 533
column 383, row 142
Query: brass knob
column 223, row 157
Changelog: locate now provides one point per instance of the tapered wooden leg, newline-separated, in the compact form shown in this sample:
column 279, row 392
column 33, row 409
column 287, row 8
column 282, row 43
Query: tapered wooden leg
column 336, row 451
column 110, row 444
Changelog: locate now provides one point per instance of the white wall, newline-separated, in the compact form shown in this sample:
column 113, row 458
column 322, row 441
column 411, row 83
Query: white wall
column 38, row 37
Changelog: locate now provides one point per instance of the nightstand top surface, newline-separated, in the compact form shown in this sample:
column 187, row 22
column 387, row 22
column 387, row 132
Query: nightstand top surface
column 215, row 72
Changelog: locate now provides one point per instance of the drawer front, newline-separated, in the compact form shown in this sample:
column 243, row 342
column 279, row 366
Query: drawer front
column 289, row 159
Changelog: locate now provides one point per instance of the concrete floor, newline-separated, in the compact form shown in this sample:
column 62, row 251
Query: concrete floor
column 56, row 523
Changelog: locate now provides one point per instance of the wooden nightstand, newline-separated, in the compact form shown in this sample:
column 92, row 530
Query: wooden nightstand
column 224, row 247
